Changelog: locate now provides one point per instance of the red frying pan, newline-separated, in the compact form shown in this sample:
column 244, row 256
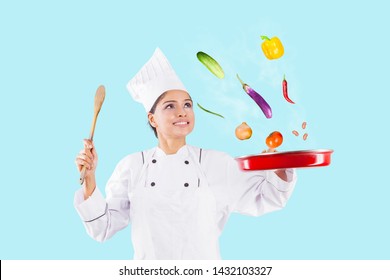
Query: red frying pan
column 280, row 160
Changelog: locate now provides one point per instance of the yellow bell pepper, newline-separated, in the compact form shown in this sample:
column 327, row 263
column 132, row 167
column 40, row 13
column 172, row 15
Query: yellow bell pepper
column 272, row 48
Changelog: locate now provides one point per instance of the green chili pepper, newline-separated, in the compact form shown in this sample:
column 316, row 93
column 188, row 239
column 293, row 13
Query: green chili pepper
column 208, row 111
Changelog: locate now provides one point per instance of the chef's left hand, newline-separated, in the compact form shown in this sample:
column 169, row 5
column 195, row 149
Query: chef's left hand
column 280, row 172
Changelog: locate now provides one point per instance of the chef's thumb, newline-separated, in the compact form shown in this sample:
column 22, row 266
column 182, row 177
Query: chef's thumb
column 88, row 144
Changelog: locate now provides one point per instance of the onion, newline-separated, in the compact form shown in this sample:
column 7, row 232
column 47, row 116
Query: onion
column 243, row 131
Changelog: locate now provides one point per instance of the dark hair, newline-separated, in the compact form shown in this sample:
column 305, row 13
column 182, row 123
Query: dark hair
column 153, row 109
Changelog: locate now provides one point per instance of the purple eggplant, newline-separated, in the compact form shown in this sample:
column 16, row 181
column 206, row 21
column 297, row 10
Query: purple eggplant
column 264, row 106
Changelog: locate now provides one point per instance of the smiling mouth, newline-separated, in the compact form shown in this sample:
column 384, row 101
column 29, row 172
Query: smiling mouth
column 181, row 123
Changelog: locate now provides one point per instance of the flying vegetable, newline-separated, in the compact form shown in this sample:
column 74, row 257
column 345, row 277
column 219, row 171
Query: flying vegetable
column 211, row 64
column 274, row 140
column 210, row 112
column 285, row 91
column 264, row 106
column 272, row 48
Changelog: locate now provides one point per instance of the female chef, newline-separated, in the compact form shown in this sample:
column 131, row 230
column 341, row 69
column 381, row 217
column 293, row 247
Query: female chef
column 177, row 197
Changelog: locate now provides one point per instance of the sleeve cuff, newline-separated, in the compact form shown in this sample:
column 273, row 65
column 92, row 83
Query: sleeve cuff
column 92, row 208
column 280, row 184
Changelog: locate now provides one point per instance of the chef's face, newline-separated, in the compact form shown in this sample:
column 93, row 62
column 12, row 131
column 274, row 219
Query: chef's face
column 174, row 115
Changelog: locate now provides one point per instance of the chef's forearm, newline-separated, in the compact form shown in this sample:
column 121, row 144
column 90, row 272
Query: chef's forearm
column 89, row 186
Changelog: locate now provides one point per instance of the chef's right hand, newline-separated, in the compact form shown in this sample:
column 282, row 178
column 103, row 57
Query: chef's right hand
column 87, row 157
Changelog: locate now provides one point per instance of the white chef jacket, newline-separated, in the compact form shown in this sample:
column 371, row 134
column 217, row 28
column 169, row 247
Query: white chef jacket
column 178, row 204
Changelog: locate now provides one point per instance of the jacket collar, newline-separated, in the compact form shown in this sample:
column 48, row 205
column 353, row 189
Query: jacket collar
column 183, row 151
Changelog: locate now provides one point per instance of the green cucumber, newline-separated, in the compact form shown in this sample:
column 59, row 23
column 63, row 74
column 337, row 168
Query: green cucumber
column 211, row 64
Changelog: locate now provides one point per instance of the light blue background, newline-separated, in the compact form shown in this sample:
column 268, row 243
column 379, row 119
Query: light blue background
column 54, row 54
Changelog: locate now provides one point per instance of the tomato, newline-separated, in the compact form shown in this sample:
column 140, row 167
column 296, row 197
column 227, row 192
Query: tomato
column 274, row 140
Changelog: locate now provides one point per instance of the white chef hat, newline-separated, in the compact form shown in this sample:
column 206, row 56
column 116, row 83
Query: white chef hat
column 155, row 77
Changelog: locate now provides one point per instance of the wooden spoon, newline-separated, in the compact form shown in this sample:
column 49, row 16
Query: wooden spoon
column 99, row 98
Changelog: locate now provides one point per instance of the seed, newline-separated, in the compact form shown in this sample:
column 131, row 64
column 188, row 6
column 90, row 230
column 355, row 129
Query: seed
column 305, row 136
column 304, row 125
column 295, row 133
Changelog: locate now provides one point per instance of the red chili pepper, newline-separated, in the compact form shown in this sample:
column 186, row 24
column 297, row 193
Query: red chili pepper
column 285, row 92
